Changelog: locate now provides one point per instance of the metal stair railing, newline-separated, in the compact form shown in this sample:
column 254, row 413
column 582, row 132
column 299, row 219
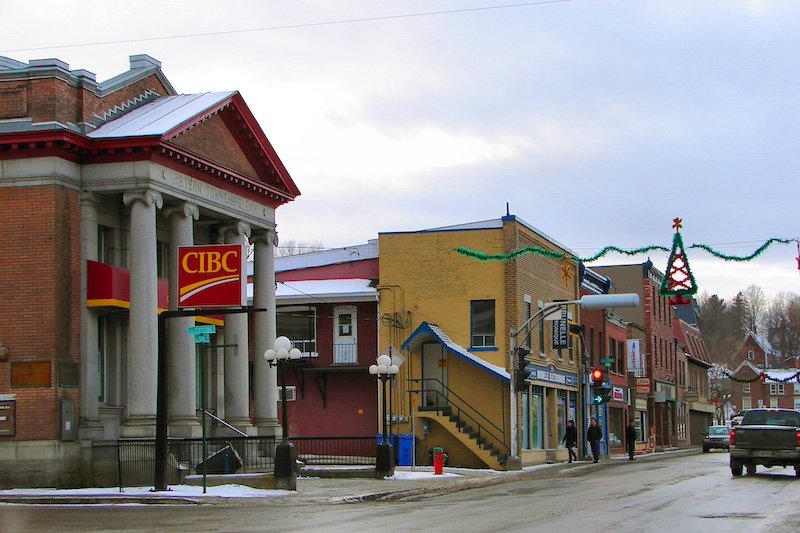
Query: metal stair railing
column 468, row 419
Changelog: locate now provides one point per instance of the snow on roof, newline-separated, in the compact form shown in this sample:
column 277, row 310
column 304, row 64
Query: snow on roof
column 160, row 116
column 780, row 375
column 762, row 341
column 322, row 291
column 333, row 256
column 426, row 331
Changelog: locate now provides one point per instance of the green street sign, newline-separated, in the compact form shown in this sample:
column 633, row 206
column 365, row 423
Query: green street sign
column 607, row 361
column 202, row 330
column 202, row 338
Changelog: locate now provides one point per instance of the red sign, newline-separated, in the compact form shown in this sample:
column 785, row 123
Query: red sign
column 212, row 275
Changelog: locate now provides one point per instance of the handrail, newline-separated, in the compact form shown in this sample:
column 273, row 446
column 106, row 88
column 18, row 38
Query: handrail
column 221, row 421
column 484, row 428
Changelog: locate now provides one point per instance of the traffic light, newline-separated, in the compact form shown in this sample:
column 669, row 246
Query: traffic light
column 601, row 391
column 521, row 378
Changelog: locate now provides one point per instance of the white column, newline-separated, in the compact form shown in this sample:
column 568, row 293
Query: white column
column 237, row 362
column 90, row 426
column 264, row 332
column 143, row 318
column 181, row 349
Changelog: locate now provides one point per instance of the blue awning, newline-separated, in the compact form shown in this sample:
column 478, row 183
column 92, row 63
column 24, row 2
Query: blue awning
column 427, row 332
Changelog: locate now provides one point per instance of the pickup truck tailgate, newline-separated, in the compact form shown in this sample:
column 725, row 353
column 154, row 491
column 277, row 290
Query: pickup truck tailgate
column 766, row 437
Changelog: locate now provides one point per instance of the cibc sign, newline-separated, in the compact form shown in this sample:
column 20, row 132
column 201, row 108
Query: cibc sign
column 212, row 275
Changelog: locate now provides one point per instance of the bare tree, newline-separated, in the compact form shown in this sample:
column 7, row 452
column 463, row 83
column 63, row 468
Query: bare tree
column 782, row 320
column 293, row 247
column 754, row 307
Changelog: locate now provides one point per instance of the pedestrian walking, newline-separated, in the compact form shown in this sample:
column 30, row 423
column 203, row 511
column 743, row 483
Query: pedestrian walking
column 593, row 435
column 570, row 440
column 630, row 439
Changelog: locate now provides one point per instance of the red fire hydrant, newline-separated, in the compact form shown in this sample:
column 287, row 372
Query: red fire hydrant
column 439, row 458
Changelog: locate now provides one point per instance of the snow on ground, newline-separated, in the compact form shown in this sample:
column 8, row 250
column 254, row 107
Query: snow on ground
column 176, row 491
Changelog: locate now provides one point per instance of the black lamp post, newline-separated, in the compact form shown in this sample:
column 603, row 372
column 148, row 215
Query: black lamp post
column 285, row 456
column 385, row 371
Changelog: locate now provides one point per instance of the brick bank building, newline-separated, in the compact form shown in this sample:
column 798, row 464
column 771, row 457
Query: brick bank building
column 99, row 185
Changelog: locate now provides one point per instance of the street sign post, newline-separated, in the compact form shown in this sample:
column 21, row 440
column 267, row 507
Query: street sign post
column 202, row 334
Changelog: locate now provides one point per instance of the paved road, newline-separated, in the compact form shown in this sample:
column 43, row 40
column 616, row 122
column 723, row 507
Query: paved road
column 682, row 494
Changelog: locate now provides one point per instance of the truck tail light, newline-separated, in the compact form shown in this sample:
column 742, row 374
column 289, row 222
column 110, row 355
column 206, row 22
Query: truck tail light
column 797, row 439
column 732, row 437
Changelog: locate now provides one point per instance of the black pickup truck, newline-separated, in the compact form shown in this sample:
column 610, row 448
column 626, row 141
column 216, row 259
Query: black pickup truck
column 769, row 437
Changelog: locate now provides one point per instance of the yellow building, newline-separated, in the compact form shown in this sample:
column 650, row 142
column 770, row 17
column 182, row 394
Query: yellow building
column 451, row 316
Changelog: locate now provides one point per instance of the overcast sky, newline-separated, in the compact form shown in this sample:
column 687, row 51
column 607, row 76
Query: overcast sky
column 598, row 121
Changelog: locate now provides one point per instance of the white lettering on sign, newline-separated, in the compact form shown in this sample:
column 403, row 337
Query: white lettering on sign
column 544, row 375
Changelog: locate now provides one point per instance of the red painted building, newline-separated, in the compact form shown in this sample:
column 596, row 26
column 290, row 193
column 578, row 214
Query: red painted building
column 327, row 304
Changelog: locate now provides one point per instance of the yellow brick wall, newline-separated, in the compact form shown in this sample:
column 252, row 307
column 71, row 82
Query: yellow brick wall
column 423, row 278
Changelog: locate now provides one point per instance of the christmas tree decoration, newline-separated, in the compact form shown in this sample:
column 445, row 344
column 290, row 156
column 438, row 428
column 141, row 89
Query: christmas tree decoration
column 678, row 281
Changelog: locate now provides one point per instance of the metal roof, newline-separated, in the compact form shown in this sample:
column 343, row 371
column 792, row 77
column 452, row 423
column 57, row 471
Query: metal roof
column 160, row 116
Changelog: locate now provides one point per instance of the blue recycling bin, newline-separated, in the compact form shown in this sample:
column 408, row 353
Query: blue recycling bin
column 403, row 448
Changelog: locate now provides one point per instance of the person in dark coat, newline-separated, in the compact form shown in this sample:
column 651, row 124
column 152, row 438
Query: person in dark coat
column 593, row 435
column 630, row 438
column 570, row 440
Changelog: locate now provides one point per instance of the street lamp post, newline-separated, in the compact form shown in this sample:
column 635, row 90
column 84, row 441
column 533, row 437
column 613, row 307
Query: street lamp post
column 588, row 301
column 385, row 371
column 285, row 456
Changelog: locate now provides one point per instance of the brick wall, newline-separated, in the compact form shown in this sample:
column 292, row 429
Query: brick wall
column 213, row 139
column 54, row 99
column 40, row 295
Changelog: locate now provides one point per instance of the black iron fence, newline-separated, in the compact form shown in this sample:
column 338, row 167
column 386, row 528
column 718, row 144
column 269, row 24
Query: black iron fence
column 136, row 457
column 335, row 450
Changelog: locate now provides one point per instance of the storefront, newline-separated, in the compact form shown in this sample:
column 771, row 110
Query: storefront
column 617, row 420
column 665, row 414
column 551, row 400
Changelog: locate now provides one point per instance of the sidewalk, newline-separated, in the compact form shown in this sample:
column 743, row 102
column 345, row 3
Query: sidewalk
column 406, row 485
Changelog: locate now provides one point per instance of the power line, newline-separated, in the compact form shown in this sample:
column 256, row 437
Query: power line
column 291, row 26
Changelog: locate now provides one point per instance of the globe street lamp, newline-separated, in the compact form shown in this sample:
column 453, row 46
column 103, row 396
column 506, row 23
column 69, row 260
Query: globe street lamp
column 384, row 370
column 285, row 457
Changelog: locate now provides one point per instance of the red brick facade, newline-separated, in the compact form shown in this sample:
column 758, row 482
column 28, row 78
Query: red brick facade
column 41, row 275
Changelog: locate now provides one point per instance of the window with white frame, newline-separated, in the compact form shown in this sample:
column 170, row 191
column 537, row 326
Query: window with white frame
column 773, row 401
column 747, row 402
column 776, row 388
column 746, row 388
column 299, row 324
column 751, row 355
column 482, row 323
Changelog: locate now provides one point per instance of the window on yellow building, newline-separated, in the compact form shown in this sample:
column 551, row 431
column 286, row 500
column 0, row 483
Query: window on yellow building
column 482, row 323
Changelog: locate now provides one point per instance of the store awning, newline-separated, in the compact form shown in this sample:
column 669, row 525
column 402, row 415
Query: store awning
column 427, row 332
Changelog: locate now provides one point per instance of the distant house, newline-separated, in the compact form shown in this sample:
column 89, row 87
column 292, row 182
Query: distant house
column 756, row 349
column 755, row 387
column 327, row 305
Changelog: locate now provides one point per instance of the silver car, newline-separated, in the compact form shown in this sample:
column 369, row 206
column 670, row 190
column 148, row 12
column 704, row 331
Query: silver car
column 715, row 437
